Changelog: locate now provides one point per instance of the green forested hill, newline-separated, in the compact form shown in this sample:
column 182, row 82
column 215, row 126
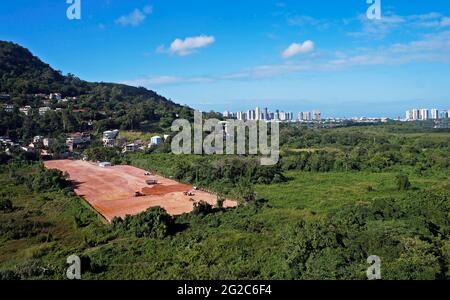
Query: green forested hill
column 106, row 105
column 23, row 73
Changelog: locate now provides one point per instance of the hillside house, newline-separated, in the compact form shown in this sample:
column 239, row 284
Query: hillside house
column 26, row 110
column 109, row 138
column 44, row 110
column 38, row 139
column 155, row 141
column 77, row 140
column 9, row 108
column 5, row 97
column 47, row 142
column 133, row 147
column 55, row 96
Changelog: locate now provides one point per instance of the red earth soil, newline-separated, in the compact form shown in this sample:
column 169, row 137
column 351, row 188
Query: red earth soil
column 111, row 190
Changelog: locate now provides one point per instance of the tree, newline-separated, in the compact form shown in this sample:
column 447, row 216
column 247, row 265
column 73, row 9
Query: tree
column 403, row 183
column 245, row 191
column 45, row 180
column 220, row 201
column 154, row 223
column 6, row 205
column 202, row 208
column 416, row 262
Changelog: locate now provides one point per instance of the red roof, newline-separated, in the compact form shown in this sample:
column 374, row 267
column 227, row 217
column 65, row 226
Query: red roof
column 79, row 110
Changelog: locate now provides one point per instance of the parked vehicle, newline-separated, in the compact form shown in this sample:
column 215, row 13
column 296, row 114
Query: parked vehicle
column 151, row 181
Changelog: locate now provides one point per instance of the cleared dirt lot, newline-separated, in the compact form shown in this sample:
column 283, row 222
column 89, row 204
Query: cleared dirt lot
column 111, row 190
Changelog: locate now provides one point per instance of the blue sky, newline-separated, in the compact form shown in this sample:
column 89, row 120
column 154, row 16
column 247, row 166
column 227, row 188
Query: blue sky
column 295, row 55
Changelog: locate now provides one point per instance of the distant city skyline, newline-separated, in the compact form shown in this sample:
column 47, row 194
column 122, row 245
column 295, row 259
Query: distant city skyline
column 411, row 114
column 265, row 114
column 349, row 110
column 423, row 114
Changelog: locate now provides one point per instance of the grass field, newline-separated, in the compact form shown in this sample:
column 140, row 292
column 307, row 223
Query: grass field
column 42, row 225
column 326, row 192
column 131, row 136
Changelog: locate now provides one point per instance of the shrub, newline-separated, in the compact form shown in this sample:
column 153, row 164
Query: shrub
column 245, row 191
column 220, row 201
column 154, row 223
column 6, row 205
column 403, row 183
column 8, row 275
column 47, row 180
column 202, row 208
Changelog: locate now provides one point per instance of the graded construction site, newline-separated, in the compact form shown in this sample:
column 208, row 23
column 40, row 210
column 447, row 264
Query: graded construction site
column 117, row 191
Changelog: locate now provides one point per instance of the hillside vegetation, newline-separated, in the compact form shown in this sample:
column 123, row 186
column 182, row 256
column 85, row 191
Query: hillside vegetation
column 97, row 107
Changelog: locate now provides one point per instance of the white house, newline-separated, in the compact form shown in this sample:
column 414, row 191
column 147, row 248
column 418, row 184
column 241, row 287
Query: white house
column 25, row 110
column 111, row 134
column 38, row 139
column 43, row 110
column 155, row 141
column 55, row 96
column 130, row 148
column 109, row 138
column 47, row 142
column 9, row 108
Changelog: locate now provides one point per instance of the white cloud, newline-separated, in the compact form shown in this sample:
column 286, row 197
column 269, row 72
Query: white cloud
column 430, row 48
column 148, row 9
column 188, row 45
column 168, row 80
column 445, row 22
column 379, row 29
column 302, row 21
column 295, row 49
column 136, row 17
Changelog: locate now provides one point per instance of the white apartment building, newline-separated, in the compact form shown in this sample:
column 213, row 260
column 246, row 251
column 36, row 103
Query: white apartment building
column 283, row 116
column 305, row 116
column 316, row 115
column 424, row 114
column 416, row 114
column 434, row 114
column 258, row 113
column 251, row 115
column 409, row 115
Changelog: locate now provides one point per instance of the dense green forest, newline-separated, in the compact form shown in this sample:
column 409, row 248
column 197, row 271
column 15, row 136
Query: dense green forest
column 300, row 223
